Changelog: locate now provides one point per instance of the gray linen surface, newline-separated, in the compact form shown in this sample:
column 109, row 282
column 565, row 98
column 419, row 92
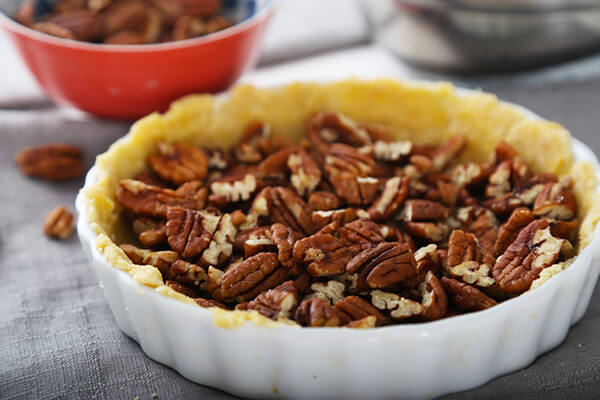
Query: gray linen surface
column 58, row 338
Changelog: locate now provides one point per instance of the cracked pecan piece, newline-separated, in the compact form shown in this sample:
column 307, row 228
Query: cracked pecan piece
column 447, row 152
column 323, row 254
column 275, row 303
column 284, row 239
column 499, row 181
column 399, row 308
column 325, row 128
column 220, row 248
column 54, row 162
column 466, row 297
column 179, row 162
column 253, row 275
column 393, row 195
column 427, row 260
column 188, row 274
column 260, row 209
column 356, row 308
column 429, row 231
column 305, row 173
column 466, row 260
column 209, row 303
column 190, row 232
column 433, row 298
column 332, row 291
column 343, row 216
column 470, row 174
column 482, row 223
column 383, row 267
column 318, row 312
column 234, row 190
column 154, row 201
column 185, row 290
column 533, row 250
column 162, row 260
column 556, row 201
column 58, row 223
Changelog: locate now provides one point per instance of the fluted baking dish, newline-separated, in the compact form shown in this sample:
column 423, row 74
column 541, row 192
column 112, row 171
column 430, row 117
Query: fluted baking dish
column 251, row 356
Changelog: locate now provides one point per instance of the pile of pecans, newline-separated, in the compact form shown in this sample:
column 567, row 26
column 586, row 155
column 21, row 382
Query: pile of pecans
column 348, row 228
column 126, row 21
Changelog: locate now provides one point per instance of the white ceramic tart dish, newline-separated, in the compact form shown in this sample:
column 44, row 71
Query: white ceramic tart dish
column 251, row 356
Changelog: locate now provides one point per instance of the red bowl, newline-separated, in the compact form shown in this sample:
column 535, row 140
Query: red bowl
column 129, row 81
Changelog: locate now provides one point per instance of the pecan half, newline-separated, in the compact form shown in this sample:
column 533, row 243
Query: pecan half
column 357, row 309
column 323, row 254
column 556, row 201
column 424, row 210
column 466, row 297
column 179, row 162
column 324, row 201
column 190, row 232
column 284, row 238
column 289, row 209
column 154, row 201
column 280, row 301
column 252, row 276
column 188, row 274
column 519, row 219
column 533, row 250
column 318, row 312
column 59, row 223
column 384, row 266
column 433, row 298
column 364, row 233
column 393, row 195
column 399, row 307
column 162, row 260
column 55, row 162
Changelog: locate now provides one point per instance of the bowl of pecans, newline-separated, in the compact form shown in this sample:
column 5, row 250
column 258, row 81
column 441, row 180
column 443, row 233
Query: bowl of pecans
column 127, row 58
column 353, row 239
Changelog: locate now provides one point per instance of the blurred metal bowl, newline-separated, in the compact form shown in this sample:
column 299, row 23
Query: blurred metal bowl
column 485, row 35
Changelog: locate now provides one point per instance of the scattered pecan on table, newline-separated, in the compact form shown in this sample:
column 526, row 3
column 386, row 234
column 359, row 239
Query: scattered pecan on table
column 349, row 228
column 126, row 21
column 58, row 223
column 53, row 162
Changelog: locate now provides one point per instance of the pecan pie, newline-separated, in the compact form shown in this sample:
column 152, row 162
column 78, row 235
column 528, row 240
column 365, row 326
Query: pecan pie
column 349, row 228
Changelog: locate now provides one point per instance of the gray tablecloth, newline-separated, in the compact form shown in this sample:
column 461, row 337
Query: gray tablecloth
column 58, row 338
